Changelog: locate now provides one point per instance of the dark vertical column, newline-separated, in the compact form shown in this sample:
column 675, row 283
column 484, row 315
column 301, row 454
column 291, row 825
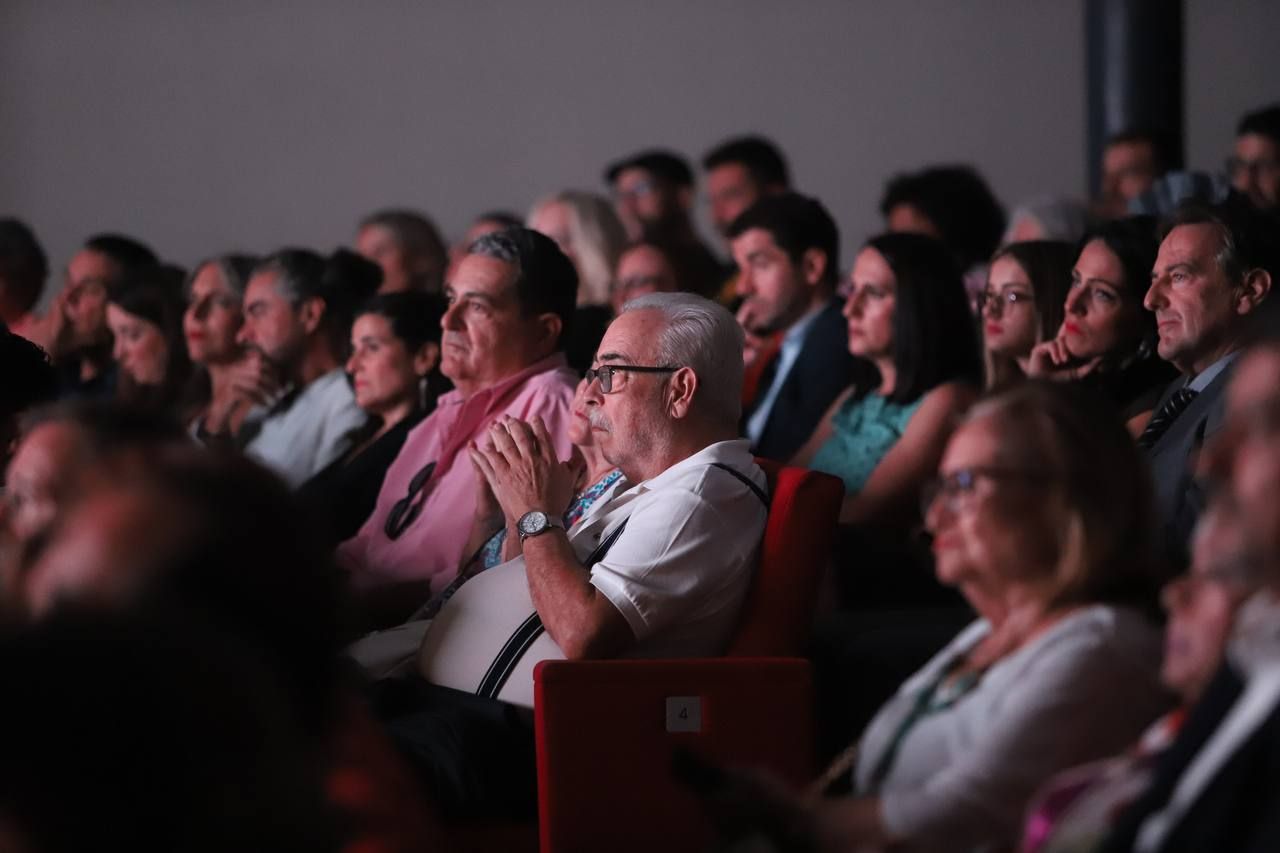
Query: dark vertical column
column 1134, row 73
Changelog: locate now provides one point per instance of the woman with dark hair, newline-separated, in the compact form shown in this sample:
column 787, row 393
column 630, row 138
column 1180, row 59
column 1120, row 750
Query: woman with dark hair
column 1022, row 304
column 395, row 355
column 908, row 316
column 215, row 294
column 144, row 313
column 1107, row 340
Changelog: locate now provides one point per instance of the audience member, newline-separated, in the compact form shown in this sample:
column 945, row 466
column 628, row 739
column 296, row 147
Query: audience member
column 643, row 267
column 24, row 268
column 54, row 445
column 653, row 194
column 408, row 248
column 1108, row 339
column 661, row 570
column 1215, row 788
column 297, row 316
column 150, row 732
column 1211, row 275
column 220, row 541
column 1254, row 166
column 587, row 230
column 1046, row 218
column 215, row 313
column 953, row 204
column 788, row 253
column 1077, row 807
column 907, row 315
column 738, row 173
column 1040, row 516
column 75, row 330
column 395, row 350
column 511, row 304
column 486, row 223
column 29, row 381
column 145, row 315
column 1022, row 304
column 1131, row 163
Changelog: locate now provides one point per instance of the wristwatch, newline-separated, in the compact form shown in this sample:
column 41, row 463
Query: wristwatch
column 536, row 521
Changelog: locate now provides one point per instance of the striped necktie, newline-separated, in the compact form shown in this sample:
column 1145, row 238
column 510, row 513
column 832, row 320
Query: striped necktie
column 1165, row 416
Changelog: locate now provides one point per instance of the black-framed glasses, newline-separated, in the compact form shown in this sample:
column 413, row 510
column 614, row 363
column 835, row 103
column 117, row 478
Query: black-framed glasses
column 409, row 507
column 957, row 486
column 605, row 373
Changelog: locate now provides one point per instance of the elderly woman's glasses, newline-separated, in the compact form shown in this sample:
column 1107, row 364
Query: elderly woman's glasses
column 409, row 507
column 605, row 374
column 958, row 486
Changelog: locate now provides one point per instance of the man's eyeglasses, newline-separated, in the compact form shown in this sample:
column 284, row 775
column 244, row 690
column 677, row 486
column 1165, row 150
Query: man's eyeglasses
column 956, row 487
column 409, row 507
column 605, row 373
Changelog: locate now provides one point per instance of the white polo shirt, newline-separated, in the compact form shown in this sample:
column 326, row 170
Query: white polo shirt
column 678, row 573
column 299, row 440
column 680, row 570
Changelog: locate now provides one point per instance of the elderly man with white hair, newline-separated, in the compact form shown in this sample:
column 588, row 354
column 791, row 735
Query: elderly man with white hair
column 660, row 569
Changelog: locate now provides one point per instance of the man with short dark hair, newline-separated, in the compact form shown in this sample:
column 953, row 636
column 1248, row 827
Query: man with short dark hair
column 738, row 173
column 1254, row 166
column 1213, row 272
column 653, row 194
column 511, row 301
column 1131, row 163
column 297, row 316
column 787, row 249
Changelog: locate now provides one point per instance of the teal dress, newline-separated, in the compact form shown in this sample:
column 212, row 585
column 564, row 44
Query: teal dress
column 862, row 433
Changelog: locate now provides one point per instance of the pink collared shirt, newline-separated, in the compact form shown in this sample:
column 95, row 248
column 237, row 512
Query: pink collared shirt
column 431, row 547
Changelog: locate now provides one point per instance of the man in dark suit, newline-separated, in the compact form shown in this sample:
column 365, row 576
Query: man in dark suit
column 787, row 248
column 1215, row 788
column 1211, row 276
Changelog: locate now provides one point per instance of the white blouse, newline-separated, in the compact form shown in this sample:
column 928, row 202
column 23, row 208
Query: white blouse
column 963, row 774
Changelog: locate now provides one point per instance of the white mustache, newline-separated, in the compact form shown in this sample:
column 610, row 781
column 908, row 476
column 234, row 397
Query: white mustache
column 599, row 421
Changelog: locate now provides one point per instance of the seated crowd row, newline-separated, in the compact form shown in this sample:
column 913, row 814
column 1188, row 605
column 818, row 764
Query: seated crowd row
column 447, row 467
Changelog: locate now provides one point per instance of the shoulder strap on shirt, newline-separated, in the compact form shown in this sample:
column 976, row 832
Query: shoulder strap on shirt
column 495, row 678
column 746, row 481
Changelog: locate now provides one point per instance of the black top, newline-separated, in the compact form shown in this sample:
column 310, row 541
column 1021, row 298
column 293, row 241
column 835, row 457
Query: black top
column 1136, row 387
column 342, row 496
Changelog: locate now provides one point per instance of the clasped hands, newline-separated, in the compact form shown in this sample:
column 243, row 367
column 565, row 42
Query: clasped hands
column 518, row 461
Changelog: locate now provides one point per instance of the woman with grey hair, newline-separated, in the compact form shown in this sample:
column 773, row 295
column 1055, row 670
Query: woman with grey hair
column 586, row 229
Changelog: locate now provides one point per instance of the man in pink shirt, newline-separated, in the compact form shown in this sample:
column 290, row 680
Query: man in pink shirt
column 511, row 300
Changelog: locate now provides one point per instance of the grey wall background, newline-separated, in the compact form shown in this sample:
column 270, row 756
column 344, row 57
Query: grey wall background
column 205, row 127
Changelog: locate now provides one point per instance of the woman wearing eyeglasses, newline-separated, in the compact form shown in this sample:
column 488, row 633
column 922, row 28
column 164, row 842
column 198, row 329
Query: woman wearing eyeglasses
column 1022, row 304
column 1107, row 339
column 1041, row 517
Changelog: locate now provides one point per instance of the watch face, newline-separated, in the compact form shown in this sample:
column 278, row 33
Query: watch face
column 532, row 522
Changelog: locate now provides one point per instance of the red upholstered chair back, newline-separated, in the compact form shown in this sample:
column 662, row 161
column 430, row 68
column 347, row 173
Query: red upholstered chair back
column 804, row 506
